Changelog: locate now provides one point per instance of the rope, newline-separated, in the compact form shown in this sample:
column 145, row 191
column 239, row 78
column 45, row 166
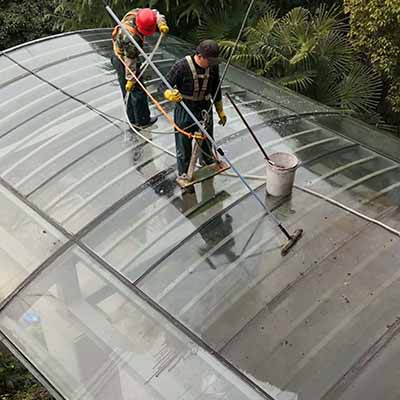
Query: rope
column 158, row 105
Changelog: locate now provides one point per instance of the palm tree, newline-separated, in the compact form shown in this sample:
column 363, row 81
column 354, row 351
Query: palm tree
column 221, row 22
column 309, row 53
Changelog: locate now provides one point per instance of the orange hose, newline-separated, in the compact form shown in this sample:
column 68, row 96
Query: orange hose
column 198, row 136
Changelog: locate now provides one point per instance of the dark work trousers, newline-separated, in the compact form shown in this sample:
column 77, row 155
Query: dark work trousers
column 183, row 143
column 138, row 106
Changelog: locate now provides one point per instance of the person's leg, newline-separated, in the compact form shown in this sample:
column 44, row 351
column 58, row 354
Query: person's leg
column 119, row 67
column 140, row 106
column 206, row 146
column 183, row 143
column 183, row 146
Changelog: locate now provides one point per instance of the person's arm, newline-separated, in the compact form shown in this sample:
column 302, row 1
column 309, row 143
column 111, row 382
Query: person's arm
column 173, row 77
column 215, row 84
column 217, row 92
column 161, row 20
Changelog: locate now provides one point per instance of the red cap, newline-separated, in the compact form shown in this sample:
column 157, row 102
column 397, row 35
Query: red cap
column 146, row 21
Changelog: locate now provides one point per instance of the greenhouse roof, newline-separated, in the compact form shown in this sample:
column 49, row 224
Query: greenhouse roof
column 113, row 283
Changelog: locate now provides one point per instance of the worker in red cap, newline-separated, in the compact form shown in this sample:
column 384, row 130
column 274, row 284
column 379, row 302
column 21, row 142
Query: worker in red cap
column 139, row 22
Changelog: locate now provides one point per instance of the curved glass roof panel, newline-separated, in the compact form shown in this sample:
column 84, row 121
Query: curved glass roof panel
column 27, row 240
column 113, row 282
column 93, row 347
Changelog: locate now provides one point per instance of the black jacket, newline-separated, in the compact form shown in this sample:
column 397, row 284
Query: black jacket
column 180, row 77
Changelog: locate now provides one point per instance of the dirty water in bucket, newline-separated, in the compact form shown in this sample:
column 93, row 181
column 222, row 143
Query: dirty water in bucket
column 280, row 173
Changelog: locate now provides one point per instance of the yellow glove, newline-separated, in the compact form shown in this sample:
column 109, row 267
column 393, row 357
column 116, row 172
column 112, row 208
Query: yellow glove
column 173, row 95
column 129, row 85
column 220, row 111
column 164, row 28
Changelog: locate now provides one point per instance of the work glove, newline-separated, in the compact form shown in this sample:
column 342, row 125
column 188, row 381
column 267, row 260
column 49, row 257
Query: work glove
column 129, row 85
column 221, row 114
column 173, row 95
column 164, row 28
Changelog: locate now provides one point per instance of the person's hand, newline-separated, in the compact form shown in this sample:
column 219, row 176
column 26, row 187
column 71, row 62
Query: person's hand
column 222, row 118
column 129, row 85
column 164, row 28
column 221, row 114
column 173, row 95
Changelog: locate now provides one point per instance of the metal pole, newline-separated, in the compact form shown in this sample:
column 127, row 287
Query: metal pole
column 247, row 126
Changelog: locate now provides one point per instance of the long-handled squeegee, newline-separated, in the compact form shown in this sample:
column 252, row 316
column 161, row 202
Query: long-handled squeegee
column 292, row 239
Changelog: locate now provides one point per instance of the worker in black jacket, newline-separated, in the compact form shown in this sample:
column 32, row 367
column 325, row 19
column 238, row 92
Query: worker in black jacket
column 195, row 80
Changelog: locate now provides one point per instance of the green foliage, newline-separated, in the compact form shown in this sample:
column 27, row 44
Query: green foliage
column 12, row 374
column 286, row 5
column 311, row 54
column 220, row 22
column 85, row 14
column 22, row 21
column 15, row 381
column 190, row 19
column 374, row 30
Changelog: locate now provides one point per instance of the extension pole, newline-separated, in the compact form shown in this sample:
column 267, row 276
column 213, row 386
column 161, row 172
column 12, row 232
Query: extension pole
column 248, row 126
column 186, row 108
column 204, row 131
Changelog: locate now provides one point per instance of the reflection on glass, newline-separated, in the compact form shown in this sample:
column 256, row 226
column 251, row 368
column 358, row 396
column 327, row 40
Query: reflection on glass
column 217, row 229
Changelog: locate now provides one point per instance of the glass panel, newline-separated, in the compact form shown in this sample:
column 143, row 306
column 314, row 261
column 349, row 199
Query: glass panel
column 374, row 194
column 333, row 164
column 380, row 377
column 318, row 309
column 361, row 132
column 70, row 140
column 20, row 96
column 95, row 338
column 122, row 167
column 26, row 241
column 204, row 275
column 362, row 184
column 61, row 48
column 166, row 214
column 9, row 72
column 299, row 140
column 131, row 240
column 357, row 173
column 381, row 194
column 36, row 139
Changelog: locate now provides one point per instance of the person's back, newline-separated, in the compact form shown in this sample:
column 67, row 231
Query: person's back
column 139, row 22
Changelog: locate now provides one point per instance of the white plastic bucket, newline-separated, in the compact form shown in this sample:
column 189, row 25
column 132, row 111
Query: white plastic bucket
column 280, row 173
